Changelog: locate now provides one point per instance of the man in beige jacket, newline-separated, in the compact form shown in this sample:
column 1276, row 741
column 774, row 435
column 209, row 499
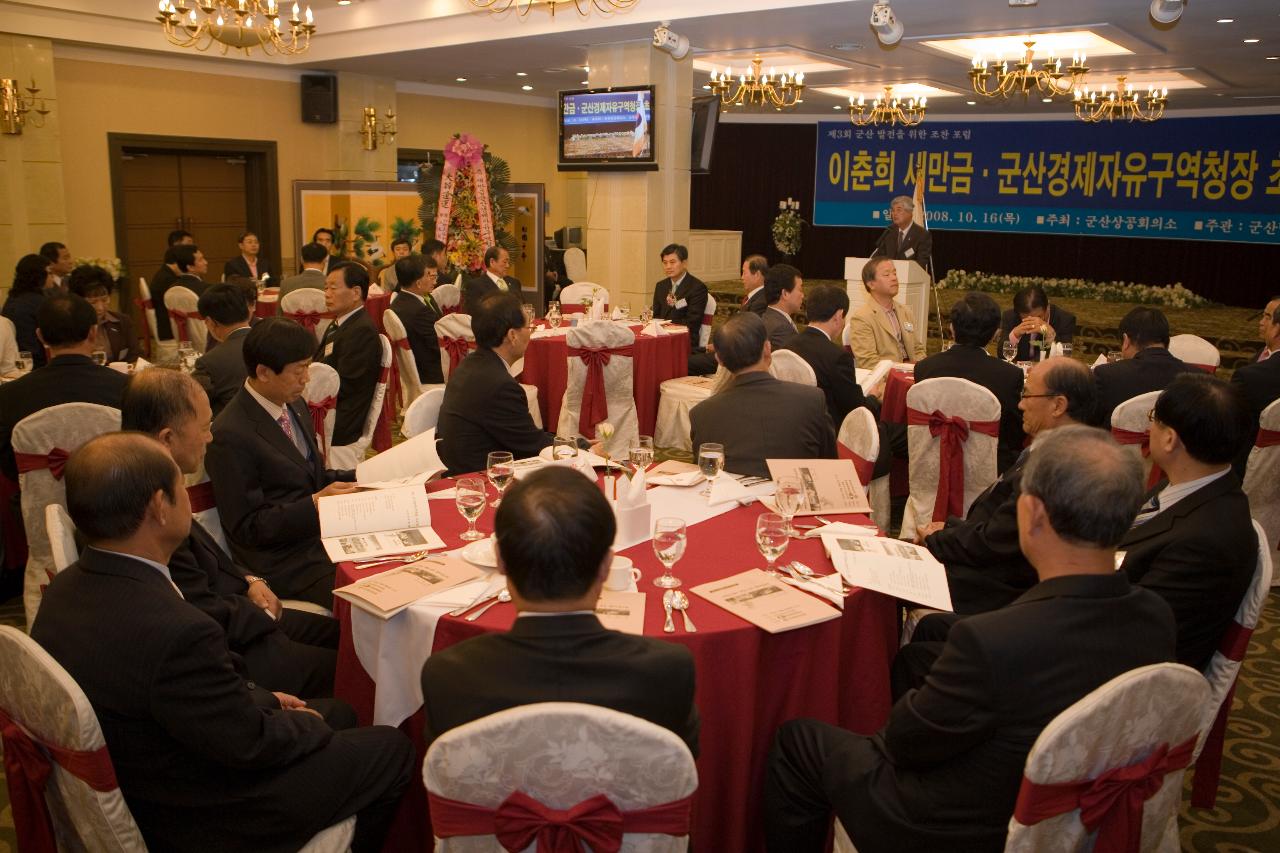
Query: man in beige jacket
column 881, row 327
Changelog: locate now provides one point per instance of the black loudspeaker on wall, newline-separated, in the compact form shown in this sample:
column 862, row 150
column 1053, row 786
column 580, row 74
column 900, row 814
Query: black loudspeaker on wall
column 319, row 98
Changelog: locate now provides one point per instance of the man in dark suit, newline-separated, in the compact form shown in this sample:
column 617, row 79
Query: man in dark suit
column 419, row 312
column 1193, row 542
column 1265, row 321
column 680, row 297
column 1147, row 365
column 163, row 278
column 315, row 259
column 205, row 760
column 819, row 345
column 484, row 408
column 332, row 253
column 266, row 469
column 554, row 531
column 757, row 417
column 944, row 772
column 350, row 346
column 289, row 650
column 973, row 323
column 784, row 295
column 903, row 240
column 703, row 362
column 220, row 371
column 1260, row 380
column 490, row 280
column 1032, row 318
column 67, row 324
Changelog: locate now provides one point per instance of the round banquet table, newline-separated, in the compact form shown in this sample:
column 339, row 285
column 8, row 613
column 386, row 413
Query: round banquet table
column 655, row 361
column 268, row 302
column 748, row 681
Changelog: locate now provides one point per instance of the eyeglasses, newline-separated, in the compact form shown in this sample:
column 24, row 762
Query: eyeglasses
column 1024, row 395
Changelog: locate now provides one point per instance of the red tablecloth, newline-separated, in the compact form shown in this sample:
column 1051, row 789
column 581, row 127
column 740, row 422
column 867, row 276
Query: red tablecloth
column 748, row 681
column 893, row 409
column 268, row 304
column 655, row 361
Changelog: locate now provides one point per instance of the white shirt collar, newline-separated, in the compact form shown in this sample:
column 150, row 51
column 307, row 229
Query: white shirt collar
column 1171, row 494
column 159, row 567
column 496, row 278
column 675, row 284
column 346, row 316
column 272, row 409
column 754, row 292
column 784, row 314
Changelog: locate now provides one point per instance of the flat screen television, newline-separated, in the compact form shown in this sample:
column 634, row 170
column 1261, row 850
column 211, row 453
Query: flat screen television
column 607, row 129
column 706, row 117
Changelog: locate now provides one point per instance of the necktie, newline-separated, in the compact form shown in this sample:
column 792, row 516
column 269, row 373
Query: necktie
column 1149, row 510
column 431, row 303
column 286, row 424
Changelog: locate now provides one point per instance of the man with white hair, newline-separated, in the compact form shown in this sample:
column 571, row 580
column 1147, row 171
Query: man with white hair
column 903, row 240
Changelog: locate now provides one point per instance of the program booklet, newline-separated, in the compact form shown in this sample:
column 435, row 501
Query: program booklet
column 621, row 611
column 377, row 524
column 386, row 594
column 829, row 486
column 409, row 463
column 766, row 601
column 890, row 566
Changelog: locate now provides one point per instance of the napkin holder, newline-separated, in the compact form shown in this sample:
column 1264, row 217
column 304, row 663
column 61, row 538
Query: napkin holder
column 634, row 523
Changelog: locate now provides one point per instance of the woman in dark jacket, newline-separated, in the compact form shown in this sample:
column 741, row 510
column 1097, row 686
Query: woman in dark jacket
column 115, row 334
column 30, row 277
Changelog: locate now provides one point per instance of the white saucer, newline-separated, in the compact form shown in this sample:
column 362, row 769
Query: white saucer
column 480, row 552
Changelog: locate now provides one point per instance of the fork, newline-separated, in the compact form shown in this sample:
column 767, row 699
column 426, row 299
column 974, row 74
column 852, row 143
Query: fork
column 407, row 558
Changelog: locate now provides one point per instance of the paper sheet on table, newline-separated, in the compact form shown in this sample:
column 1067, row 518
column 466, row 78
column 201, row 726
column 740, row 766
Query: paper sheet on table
column 842, row 527
column 675, row 473
column 828, row 485
column 729, row 489
column 765, row 601
column 622, row 611
column 381, row 543
column 891, row 566
column 443, row 495
column 411, row 462
column 869, row 379
column 688, row 505
column 377, row 523
column 387, row 593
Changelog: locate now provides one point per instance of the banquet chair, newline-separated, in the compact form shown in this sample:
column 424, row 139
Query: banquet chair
column 321, row 396
column 675, row 398
column 581, row 408
column 956, row 406
column 406, row 363
column 344, row 456
column 448, row 297
column 559, row 754
column 8, row 347
column 572, row 295
column 1262, row 475
column 1195, row 351
column 41, row 443
column 62, row 536
column 164, row 350
column 81, row 797
column 789, row 367
column 423, row 413
column 859, row 440
column 575, row 264
column 306, row 306
column 708, row 316
column 1147, row 716
column 453, row 331
column 184, row 317
column 1131, row 428
column 1221, row 674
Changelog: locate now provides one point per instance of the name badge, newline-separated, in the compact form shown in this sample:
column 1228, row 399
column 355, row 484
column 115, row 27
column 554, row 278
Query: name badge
column 910, row 253
column 328, row 349
column 907, row 326
column 683, row 303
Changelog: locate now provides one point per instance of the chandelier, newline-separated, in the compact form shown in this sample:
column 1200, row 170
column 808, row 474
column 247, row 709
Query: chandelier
column 756, row 88
column 16, row 107
column 584, row 7
column 1123, row 103
column 239, row 24
column 1024, row 77
column 887, row 110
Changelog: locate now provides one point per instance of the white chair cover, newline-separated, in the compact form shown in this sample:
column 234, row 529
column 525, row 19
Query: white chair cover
column 306, row 303
column 561, row 753
column 66, row 427
column 860, row 435
column 406, row 363
column 453, row 327
column 575, row 264
column 322, row 384
column 954, row 398
column 344, row 456
column 1117, row 725
column 1196, row 351
column 8, row 347
column 1262, row 479
column 447, row 296
column 62, row 536
column 531, row 395
column 580, row 290
column 708, row 316
column 789, row 367
column 184, row 299
column 423, row 413
column 1131, row 416
column 164, row 350
column 675, row 398
column 618, row 384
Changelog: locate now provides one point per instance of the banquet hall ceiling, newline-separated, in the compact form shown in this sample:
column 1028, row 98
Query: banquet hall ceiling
column 434, row 42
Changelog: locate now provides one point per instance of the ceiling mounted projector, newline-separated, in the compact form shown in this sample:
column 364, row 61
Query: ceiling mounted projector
column 1167, row 11
column 886, row 26
column 669, row 42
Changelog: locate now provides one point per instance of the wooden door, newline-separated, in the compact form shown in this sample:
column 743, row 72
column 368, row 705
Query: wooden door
column 151, row 205
column 213, row 205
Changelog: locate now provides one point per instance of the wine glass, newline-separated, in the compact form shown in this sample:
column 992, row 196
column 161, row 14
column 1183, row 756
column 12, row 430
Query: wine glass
column 469, row 496
column 646, row 314
column 771, row 538
column 669, row 537
column 501, row 472
column 1010, row 350
column 564, row 448
column 641, row 452
column 100, row 357
column 528, row 313
column 710, row 463
column 185, row 353
column 625, row 310
column 789, row 498
column 23, row 362
column 553, row 315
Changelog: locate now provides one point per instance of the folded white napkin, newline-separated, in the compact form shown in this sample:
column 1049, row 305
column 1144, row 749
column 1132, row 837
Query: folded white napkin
column 442, row 495
column 1102, row 359
column 120, row 366
column 631, row 491
column 1056, row 349
column 654, row 329
column 827, row 587
column 140, row 365
column 727, row 488
column 688, row 478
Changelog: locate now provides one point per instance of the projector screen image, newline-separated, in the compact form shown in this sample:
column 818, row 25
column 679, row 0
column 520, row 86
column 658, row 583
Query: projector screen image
column 607, row 129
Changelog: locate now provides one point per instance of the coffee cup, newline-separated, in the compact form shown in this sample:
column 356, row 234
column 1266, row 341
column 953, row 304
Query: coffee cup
column 622, row 575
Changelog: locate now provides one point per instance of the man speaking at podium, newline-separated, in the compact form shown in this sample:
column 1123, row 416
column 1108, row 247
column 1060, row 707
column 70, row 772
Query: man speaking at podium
column 904, row 240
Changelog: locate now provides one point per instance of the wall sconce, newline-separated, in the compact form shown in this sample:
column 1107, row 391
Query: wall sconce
column 14, row 106
column 371, row 131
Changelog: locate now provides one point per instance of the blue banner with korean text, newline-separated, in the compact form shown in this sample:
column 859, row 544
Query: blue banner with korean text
column 1190, row 178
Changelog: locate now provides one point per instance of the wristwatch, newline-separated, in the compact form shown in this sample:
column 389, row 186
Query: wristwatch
column 252, row 579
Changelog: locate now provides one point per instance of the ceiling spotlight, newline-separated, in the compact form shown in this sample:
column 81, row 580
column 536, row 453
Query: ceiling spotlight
column 669, row 42
column 1167, row 11
column 460, row 79
column 1251, row 41
column 527, row 88
column 886, row 26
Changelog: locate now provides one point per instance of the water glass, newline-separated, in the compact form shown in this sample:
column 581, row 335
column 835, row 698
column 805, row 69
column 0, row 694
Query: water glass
column 528, row 313
column 469, row 497
column 1066, row 350
column 564, row 448
column 771, row 539
column 641, row 452
column 646, row 314
column 1009, row 349
column 23, row 362
column 625, row 310
column 789, row 499
column 710, row 463
column 501, row 472
column 100, row 357
column 669, row 537
column 553, row 316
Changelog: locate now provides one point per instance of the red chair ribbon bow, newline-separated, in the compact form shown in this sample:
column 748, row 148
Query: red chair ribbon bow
column 457, row 349
column 55, row 461
column 863, row 467
column 1267, row 438
column 319, row 411
column 955, row 432
column 180, row 328
column 595, row 405
column 520, row 821
column 390, row 402
column 201, row 496
column 1128, row 437
column 1207, row 368
column 27, row 768
column 308, row 319
column 1112, row 803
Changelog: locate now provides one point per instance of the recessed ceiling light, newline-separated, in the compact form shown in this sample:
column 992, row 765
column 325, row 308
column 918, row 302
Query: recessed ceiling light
column 837, row 107
column 1252, row 41
column 586, row 82
column 344, row 2
column 1061, row 44
column 707, row 87
column 1273, row 57
column 521, row 74
column 971, row 103
column 461, row 79
column 1046, row 100
column 527, row 88
column 586, row 68
column 1226, row 20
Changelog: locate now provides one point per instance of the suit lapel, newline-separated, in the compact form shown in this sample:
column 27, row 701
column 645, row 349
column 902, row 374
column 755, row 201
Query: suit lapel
column 271, row 433
column 883, row 317
column 1162, row 522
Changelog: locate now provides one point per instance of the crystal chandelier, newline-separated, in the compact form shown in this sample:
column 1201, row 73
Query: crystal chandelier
column 239, row 24
column 757, row 88
column 1024, row 77
column 887, row 110
column 1123, row 103
column 584, row 7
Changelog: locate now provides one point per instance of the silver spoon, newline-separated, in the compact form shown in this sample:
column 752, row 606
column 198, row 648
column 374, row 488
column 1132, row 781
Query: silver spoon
column 680, row 602
column 667, row 598
column 806, row 572
column 502, row 598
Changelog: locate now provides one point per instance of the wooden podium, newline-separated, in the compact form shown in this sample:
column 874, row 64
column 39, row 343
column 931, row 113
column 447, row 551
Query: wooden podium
column 913, row 287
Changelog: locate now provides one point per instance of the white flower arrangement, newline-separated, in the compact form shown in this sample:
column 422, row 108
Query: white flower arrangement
column 111, row 265
column 786, row 227
column 1170, row 296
